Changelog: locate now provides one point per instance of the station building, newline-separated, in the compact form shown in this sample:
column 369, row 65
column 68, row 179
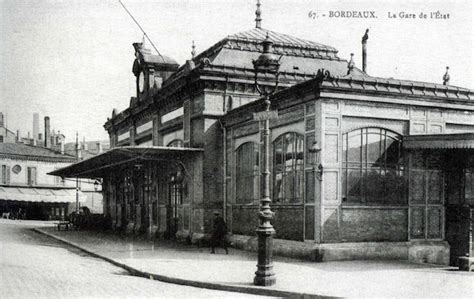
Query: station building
column 361, row 167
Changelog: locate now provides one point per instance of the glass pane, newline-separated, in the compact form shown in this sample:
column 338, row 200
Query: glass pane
column 354, row 147
column 310, row 186
column 394, row 183
column 289, row 187
column 278, row 152
column 435, row 186
column 392, row 152
column 299, row 186
column 299, row 150
column 289, row 149
column 434, row 223
column 354, row 185
column 247, row 169
column 372, row 146
column 469, row 184
column 278, row 187
column 375, row 185
column 309, row 143
column 417, row 229
column 417, row 186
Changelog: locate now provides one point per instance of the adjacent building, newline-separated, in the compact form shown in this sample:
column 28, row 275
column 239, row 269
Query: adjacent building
column 361, row 167
column 25, row 187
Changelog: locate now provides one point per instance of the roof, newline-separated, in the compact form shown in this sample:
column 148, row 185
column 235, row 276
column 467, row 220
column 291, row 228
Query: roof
column 29, row 152
column 440, row 141
column 279, row 39
column 298, row 55
column 32, row 194
column 101, row 165
column 406, row 87
column 159, row 59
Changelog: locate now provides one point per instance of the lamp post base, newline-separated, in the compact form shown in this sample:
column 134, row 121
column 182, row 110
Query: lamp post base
column 264, row 276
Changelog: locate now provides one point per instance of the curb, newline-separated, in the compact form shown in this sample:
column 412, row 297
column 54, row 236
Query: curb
column 187, row 282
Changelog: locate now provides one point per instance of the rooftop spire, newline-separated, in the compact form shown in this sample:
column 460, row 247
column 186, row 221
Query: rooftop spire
column 193, row 51
column 258, row 19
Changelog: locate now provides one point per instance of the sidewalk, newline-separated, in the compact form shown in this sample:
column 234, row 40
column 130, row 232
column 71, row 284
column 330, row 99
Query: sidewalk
column 190, row 265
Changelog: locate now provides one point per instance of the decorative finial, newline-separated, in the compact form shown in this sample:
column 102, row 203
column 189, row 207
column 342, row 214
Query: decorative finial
column 258, row 19
column 446, row 77
column 366, row 36
column 350, row 64
column 193, row 51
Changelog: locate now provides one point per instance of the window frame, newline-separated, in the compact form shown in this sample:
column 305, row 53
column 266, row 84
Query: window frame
column 250, row 183
column 295, row 171
column 381, row 167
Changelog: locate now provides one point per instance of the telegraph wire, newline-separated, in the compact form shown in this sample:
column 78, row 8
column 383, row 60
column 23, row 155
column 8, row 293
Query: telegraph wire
column 144, row 33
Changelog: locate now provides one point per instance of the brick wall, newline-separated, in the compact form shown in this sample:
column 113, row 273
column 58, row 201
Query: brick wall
column 377, row 224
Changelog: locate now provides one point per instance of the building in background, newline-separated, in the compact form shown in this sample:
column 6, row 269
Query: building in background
column 24, row 183
column 6, row 135
column 362, row 167
column 26, row 188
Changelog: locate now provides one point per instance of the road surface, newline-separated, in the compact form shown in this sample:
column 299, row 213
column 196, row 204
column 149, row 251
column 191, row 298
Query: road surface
column 35, row 266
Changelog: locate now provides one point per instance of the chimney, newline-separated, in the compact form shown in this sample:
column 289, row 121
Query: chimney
column 62, row 148
column 1, row 120
column 364, row 50
column 99, row 147
column 35, row 125
column 84, row 144
column 47, row 138
column 18, row 138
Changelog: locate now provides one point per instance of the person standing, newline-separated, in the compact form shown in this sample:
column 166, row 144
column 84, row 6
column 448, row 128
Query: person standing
column 219, row 232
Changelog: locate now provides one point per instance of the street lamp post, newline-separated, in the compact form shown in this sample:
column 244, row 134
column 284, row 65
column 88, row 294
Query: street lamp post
column 266, row 63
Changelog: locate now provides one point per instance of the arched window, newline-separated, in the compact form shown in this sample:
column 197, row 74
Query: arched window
column 247, row 173
column 176, row 143
column 288, row 168
column 372, row 165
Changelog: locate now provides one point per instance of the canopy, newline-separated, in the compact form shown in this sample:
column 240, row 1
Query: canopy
column 439, row 141
column 101, row 165
column 32, row 194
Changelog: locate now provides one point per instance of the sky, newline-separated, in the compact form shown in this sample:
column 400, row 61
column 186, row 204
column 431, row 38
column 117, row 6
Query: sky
column 72, row 60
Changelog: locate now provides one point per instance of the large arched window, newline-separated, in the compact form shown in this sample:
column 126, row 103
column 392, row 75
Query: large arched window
column 288, row 168
column 247, row 173
column 372, row 167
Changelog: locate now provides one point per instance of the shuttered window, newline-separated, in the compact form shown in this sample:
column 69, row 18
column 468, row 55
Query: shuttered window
column 5, row 175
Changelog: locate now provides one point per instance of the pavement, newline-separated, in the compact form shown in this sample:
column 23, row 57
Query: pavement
column 195, row 266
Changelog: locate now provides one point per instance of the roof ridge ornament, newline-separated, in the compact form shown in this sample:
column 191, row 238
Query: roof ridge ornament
column 446, row 77
column 193, row 50
column 350, row 65
column 258, row 19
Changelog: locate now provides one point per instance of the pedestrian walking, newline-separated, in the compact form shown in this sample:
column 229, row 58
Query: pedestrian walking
column 219, row 233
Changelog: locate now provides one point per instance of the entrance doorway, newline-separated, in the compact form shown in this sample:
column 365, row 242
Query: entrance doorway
column 175, row 200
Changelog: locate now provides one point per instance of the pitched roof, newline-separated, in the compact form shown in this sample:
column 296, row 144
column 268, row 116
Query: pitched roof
column 29, row 152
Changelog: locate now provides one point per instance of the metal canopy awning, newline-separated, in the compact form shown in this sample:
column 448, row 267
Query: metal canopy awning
column 101, row 165
column 439, row 141
column 32, row 194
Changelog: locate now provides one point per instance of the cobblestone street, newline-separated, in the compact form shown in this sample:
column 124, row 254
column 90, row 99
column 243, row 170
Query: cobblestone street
column 35, row 266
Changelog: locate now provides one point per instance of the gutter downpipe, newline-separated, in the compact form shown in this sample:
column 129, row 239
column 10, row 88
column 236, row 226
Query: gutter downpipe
column 224, row 147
